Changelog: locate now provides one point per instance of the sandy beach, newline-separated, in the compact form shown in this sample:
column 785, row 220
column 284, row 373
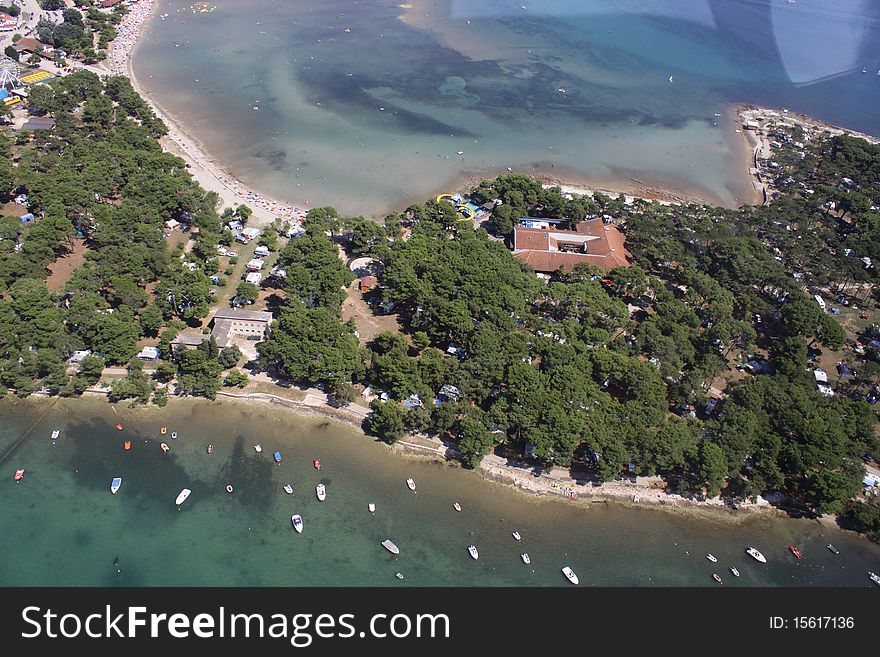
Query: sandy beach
column 213, row 176
column 205, row 169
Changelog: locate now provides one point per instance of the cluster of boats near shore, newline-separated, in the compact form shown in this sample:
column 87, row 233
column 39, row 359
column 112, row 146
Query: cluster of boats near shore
column 321, row 494
column 389, row 545
column 757, row 556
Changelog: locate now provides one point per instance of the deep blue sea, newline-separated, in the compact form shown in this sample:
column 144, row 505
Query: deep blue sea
column 370, row 105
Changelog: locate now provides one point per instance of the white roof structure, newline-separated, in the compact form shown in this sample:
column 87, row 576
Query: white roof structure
column 77, row 356
column 149, row 353
column 255, row 265
column 254, row 277
column 820, row 375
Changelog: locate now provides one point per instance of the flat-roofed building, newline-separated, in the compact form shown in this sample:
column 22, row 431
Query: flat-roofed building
column 231, row 322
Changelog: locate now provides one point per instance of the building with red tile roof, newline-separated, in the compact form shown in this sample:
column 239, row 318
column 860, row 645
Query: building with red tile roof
column 547, row 250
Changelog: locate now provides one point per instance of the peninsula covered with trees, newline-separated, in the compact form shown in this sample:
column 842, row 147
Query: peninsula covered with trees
column 698, row 361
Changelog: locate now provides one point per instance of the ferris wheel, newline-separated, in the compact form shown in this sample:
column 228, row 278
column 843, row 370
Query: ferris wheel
column 9, row 72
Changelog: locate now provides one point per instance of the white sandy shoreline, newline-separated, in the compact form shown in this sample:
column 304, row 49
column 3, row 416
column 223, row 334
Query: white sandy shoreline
column 204, row 168
column 212, row 175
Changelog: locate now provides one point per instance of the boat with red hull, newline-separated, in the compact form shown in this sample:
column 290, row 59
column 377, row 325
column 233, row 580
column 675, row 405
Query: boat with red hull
column 795, row 551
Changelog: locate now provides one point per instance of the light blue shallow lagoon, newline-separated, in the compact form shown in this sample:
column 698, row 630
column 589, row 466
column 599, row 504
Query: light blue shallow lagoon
column 371, row 105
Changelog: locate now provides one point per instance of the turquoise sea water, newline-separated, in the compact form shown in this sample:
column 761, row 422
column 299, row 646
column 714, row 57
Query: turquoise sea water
column 366, row 105
column 63, row 527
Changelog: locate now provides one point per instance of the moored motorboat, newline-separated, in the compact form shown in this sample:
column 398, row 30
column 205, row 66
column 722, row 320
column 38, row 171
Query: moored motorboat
column 874, row 577
column 19, row 474
column 288, row 489
column 321, row 492
column 297, row 523
column 277, row 457
column 472, row 550
column 258, row 448
column 181, row 497
column 570, row 574
column 126, row 445
column 210, row 448
column 734, row 571
column 516, row 535
column 525, row 557
column 115, row 484
column 389, row 545
column 833, row 549
column 795, row 551
column 229, row 488
column 163, row 431
column 411, row 484
column 398, row 575
column 317, row 464
column 756, row 555
column 173, row 435
column 371, row 507
column 456, row 506
column 119, row 426
column 55, row 434
column 711, row 558
column 164, row 447
column 716, row 577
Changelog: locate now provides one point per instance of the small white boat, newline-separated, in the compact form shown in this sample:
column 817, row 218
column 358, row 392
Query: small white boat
column 472, row 550
column 398, row 575
column 833, row 549
column 288, row 489
column 297, row 523
column 411, row 484
column 181, row 498
column 756, row 555
column 874, row 577
column 711, row 558
column 55, row 434
column 173, row 435
column 115, row 484
column 321, row 492
column 569, row 573
column 525, row 557
column 371, row 507
column 516, row 536
column 456, row 506
column 734, row 571
column 258, row 448
column 390, row 546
